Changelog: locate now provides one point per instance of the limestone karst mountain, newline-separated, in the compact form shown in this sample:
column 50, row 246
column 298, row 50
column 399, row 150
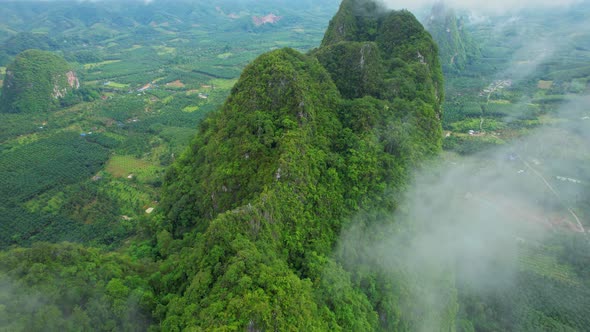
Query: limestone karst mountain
column 36, row 81
column 303, row 143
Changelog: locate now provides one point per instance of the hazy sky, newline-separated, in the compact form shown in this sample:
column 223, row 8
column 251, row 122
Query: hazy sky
column 485, row 6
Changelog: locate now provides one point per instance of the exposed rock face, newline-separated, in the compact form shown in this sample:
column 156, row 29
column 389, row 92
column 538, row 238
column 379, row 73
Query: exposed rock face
column 73, row 80
column 60, row 91
column 36, row 81
column 268, row 19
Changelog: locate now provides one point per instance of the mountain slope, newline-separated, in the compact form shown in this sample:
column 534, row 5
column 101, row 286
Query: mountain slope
column 267, row 194
column 253, row 210
column 35, row 82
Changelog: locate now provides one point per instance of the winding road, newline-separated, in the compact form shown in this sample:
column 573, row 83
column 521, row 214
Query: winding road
column 579, row 227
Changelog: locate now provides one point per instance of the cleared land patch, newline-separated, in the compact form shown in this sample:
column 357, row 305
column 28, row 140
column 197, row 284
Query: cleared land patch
column 123, row 166
column 175, row 84
column 116, row 85
column 545, row 85
column 220, row 83
column 190, row 109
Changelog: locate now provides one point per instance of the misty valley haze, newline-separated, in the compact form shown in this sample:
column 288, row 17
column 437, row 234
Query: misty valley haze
column 478, row 215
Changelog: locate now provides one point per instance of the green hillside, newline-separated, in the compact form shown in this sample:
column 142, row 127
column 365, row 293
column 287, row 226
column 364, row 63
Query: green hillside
column 35, row 82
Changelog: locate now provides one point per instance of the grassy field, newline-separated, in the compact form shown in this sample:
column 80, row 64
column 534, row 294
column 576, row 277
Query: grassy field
column 223, row 84
column 190, row 109
column 163, row 50
column 116, row 85
column 224, row 55
column 124, row 166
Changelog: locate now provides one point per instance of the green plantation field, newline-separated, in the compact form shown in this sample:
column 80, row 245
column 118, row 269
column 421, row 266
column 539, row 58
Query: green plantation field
column 512, row 86
column 37, row 167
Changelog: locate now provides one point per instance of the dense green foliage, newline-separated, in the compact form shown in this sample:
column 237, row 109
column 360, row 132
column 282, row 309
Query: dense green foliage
column 269, row 162
column 260, row 198
column 34, row 82
column 23, row 41
column 355, row 67
column 387, row 55
column 66, row 287
column 36, row 168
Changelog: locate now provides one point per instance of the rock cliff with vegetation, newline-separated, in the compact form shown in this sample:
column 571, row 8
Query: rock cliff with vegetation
column 456, row 45
column 253, row 210
column 36, row 81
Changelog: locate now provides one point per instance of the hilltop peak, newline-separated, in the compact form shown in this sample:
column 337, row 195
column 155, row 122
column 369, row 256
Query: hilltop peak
column 36, row 81
column 364, row 37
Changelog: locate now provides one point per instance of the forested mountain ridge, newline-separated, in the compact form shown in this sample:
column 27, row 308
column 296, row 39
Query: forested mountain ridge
column 253, row 210
column 36, row 81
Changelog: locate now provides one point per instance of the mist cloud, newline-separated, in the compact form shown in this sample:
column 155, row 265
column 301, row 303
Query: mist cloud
column 466, row 218
column 483, row 6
